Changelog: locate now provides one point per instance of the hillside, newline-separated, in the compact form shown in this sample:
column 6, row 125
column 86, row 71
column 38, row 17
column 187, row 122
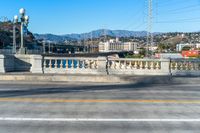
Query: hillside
column 6, row 36
column 93, row 34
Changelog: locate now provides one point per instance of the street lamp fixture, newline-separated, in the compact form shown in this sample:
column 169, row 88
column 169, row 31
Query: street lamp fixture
column 24, row 23
column 15, row 21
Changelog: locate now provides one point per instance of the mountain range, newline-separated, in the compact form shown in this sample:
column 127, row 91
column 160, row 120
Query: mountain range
column 93, row 34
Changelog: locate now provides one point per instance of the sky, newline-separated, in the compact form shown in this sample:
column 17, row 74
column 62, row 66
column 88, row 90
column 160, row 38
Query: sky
column 80, row 16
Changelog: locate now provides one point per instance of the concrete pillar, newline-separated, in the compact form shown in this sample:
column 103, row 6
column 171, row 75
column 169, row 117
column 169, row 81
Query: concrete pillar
column 36, row 62
column 165, row 66
column 2, row 64
column 102, row 65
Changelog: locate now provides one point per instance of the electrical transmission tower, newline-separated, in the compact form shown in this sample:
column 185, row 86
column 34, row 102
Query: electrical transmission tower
column 149, row 25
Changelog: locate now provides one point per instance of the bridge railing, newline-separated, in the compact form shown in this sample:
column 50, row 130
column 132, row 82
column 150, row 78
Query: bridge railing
column 72, row 65
column 185, row 67
column 120, row 66
column 99, row 65
column 138, row 66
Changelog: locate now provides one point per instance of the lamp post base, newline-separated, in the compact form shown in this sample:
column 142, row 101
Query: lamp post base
column 22, row 51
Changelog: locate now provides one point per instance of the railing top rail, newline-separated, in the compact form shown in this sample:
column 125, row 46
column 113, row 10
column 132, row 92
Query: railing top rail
column 70, row 58
column 125, row 59
column 196, row 60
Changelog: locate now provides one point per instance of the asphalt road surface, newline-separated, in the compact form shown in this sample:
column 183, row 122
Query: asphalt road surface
column 83, row 108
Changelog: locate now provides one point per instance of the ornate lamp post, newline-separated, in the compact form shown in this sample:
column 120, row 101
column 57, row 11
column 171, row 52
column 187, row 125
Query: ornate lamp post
column 24, row 23
column 15, row 21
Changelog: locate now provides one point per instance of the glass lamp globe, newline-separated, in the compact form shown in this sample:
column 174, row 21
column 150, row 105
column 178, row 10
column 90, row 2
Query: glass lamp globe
column 22, row 11
column 15, row 18
column 26, row 18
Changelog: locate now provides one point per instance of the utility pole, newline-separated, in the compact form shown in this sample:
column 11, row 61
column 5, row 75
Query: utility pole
column 149, row 26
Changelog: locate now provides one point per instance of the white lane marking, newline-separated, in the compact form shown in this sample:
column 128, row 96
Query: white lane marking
column 95, row 120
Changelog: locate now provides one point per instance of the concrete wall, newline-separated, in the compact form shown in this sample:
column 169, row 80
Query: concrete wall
column 6, row 63
column 21, row 63
column 2, row 67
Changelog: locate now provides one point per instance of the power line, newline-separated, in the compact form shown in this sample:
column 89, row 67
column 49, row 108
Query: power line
column 173, row 2
column 179, row 20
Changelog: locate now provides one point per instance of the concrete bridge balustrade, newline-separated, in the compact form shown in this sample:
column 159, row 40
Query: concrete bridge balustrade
column 74, row 65
column 138, row 66
column 185, row 67
column 98, row 66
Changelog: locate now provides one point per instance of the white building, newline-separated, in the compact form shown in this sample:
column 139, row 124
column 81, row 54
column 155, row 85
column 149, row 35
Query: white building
column 114, row 45
column 179, row 47
column 168, row 55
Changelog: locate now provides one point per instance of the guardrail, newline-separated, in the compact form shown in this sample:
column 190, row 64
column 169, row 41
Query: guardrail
column 101, row 65
column 185, row 67
column 70, row 65
column 138, row 66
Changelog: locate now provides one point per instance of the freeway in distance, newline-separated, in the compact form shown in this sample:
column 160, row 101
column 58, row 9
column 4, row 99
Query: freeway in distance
column 84, row 108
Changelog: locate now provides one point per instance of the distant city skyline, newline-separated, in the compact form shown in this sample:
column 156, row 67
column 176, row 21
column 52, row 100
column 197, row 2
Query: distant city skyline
column 80, row 16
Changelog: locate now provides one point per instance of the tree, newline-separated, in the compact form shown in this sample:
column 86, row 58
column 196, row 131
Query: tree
column 186, row 48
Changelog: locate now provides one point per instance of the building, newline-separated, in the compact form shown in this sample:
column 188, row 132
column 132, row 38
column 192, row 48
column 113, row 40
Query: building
column 114, row 45
column 168, row 55
column 179, row 47
column 191, row 53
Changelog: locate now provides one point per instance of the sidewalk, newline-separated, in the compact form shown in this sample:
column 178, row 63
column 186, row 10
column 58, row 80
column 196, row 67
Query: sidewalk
column 108, row 79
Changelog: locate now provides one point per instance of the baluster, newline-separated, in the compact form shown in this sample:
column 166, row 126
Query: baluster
column 151, row 65
column 184, row 65
column 141, row 65
column 172, row 65
column 67, row 64
column 189, row 65
column 175, row 65
column 50, row 63
column 125, row 65
column 146, row 65
column 198, row 64
column 96, row 64
column 114, row 64
column 86, row 65
column 78, row 64
column 135, row 64
column 181, row 65
column 193, row 65
column 109, row 64
column 72, row 64
column 89, row 64
column 45, row 63
column 56, row 64
column 130, row 64
column 157, row 65
column 92, row 64
column 61, row 63
column 119, row 65
column 83, row 64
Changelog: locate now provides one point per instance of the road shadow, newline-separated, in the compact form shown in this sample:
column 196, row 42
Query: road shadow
column 144, row 83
